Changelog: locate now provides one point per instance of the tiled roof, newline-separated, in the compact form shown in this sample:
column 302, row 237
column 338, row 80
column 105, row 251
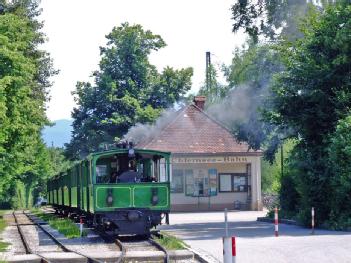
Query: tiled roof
column 194, row 132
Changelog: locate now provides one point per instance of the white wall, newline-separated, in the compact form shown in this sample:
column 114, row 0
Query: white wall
column 224, row 198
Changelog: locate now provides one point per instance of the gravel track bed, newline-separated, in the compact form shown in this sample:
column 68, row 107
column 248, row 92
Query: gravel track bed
column 137, row 245
column 22, row 218
column 12, row 236
column 38, row 240
column 91, row 243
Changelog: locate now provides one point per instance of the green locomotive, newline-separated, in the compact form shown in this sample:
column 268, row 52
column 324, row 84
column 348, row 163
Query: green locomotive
column 123, row 190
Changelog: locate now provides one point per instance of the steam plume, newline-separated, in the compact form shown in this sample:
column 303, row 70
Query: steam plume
column 144, row 132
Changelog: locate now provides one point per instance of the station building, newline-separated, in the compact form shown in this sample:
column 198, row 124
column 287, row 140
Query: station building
column 210, row 169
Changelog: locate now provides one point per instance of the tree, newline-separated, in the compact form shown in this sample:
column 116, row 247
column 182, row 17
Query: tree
column 128, row 89
column 24, row 73
column 340, row 166
column 252, row 70
column 272, row 171
column 310, row 96
column 271, row 19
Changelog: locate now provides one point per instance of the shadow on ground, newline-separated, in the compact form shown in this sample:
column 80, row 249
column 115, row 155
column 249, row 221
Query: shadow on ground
column 242, row 229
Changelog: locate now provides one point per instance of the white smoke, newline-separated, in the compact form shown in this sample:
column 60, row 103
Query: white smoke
column 144, row 132
column 235, row 107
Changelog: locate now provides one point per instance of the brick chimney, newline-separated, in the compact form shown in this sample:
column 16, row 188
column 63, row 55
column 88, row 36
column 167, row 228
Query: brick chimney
column 199, row 101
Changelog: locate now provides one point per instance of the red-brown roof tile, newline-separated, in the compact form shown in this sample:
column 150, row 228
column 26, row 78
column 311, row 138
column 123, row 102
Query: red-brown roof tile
column 193, row 131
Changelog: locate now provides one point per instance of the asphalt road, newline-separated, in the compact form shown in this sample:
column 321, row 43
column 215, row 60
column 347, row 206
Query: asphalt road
column 256, row 241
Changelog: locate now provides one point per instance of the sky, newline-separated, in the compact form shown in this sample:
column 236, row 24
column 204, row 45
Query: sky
column 76, row 28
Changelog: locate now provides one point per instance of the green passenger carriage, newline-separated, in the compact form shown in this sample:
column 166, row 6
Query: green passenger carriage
column 125, row 190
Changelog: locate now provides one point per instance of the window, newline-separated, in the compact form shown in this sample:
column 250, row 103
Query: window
column 163, row 170
column 233, row 182
column 225, row 182
column 189, row 182
column 200, row 182
column 239, row 183
column 213, row 181
column 177, row 183
column 101, row 170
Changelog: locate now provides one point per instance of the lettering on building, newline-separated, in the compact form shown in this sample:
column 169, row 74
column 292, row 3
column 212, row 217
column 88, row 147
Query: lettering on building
column 226, row 159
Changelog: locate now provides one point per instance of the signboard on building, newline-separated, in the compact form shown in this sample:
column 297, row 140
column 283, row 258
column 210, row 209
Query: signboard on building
column 219, row 159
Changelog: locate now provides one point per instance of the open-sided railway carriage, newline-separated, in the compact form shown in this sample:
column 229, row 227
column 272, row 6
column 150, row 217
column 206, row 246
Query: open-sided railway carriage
column 125, row 190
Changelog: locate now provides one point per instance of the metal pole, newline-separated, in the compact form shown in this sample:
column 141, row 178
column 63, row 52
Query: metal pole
column 276, row 222
column 81, row 226
column 226, row 222
column 208, row 62
column 312, row 212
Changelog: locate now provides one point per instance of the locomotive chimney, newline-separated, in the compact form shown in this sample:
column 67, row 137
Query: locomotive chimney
column 199, row 102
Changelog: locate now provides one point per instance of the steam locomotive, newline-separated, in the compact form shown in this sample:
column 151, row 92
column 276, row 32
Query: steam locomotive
column 124, row 190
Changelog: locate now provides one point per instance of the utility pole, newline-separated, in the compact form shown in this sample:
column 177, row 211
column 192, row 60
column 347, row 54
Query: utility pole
column 208, row 71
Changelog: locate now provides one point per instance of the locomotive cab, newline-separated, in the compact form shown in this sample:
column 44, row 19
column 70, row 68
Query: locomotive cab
column 122, row 168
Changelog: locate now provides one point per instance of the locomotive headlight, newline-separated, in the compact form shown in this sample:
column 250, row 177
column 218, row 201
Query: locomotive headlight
column 109, row 200
column 154, row 199
column 154, row 196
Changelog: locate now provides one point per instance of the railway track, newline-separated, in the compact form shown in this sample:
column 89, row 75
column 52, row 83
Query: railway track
column 28, row 248
column 130, row 243
column 125, row 244
column 26, row 245
column 134, row 243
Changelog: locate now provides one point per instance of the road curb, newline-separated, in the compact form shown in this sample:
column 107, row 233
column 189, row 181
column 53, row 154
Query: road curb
column 200, row 256
column 282, row 221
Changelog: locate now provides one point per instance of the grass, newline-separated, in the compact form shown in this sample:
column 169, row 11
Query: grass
column 170, row 242
column 64, row 225
column 3, row 245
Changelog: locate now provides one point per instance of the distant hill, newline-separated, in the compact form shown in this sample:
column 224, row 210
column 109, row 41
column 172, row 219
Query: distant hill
column 59, row 134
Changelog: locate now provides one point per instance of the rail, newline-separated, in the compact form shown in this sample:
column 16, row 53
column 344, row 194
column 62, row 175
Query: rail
column 110, row 239
column 124, row 244
column 25, row 243
column 62, row 246
column 160, row 247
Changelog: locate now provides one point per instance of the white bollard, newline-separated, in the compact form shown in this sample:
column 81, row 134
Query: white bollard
column 226, row 222
column 312, row 223
column 81, row 226
column 276, row 221
column 229, row 250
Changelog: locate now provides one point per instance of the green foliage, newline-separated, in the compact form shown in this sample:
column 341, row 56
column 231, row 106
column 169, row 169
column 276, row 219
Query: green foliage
column 272, row 172
column 309, row 98
column 64, row 225
column 340, row 164
column 249, row 76
column 58, row 162
column 170, row 242
column 271, row 19
column 128, row 89
column 3, row 245
column 24, row 74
